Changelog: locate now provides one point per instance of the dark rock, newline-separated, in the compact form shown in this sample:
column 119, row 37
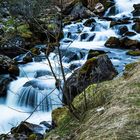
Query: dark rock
column 133, row 52
column 113, row 23
column 129, row 33
column 113, row 42
column 95, row 70
column 40, row 73
column 94, row 53
column 8, row 66
column 83, row 36
column 93, row 27
column 123, row 30
column 89, row 22
column 12, row 47
column 72, row 54
column 4, row 81
column 136, row 11
column 127, row 43
column 91, row 38
column 74, row 66
column 136, row 27
column 27, row 58
column 112, row 11
column 46, row 124
column 26, row 128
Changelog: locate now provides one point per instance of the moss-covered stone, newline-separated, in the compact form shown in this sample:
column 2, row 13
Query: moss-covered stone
column 59, row 114
column 120, row 100
column 133, row 53
column 32, row 137
column 35, row 51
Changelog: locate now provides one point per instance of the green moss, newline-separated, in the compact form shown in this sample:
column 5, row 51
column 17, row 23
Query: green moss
column 133, row 53
column 24, row 31
column 52, row 26
column 35, row 51
column 87, row 66
column 32, row 137
column 58, row 115
column 130, row 66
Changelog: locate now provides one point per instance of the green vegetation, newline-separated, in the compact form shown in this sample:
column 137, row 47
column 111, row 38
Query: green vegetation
column 133, row 53
column 112, row 114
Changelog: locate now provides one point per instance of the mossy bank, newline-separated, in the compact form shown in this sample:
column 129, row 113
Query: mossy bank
column 113, row 111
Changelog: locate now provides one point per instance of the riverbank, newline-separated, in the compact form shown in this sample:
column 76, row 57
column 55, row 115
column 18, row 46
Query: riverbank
column 112, row 111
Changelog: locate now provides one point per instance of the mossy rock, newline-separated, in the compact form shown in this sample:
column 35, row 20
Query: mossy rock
column 58, row 115
column 128, row 72
column 35, row 51
column 133, row 53
column 86, row 68
column 32, row 137
column 94, row 53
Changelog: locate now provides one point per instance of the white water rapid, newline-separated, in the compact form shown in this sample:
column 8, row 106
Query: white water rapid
column 36, row 81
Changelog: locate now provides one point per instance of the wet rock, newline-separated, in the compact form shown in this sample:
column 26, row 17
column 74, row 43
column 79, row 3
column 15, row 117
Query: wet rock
column 83, row 36
column 94, row 53
column 27, row 58
column 74, row 66
column 112, row 11
column 136, row 11
column 129, row 34
column 89, row 22
column 40, row 73
column 123, row 30
column 113, row 42
column 119, row 22
column 91, row 38
column 96, row 69
column 4, row 81
column 136, row 27
column 127, row 43
column 8, row 66
column 133, row 52
column 27, row 129
column 72, row 54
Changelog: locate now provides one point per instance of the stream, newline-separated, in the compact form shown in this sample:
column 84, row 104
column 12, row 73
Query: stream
column 36, row 81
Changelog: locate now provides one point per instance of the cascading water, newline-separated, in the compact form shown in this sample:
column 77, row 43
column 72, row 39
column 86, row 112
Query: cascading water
column 36, row 81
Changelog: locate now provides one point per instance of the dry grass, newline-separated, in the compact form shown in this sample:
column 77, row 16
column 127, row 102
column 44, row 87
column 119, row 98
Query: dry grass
column 120, row 119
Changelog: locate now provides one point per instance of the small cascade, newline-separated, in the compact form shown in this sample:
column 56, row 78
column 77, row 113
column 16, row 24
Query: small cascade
column 125, row 7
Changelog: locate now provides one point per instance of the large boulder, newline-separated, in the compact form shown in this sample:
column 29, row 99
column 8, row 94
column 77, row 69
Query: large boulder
column 96, row 69
column 113, row 42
